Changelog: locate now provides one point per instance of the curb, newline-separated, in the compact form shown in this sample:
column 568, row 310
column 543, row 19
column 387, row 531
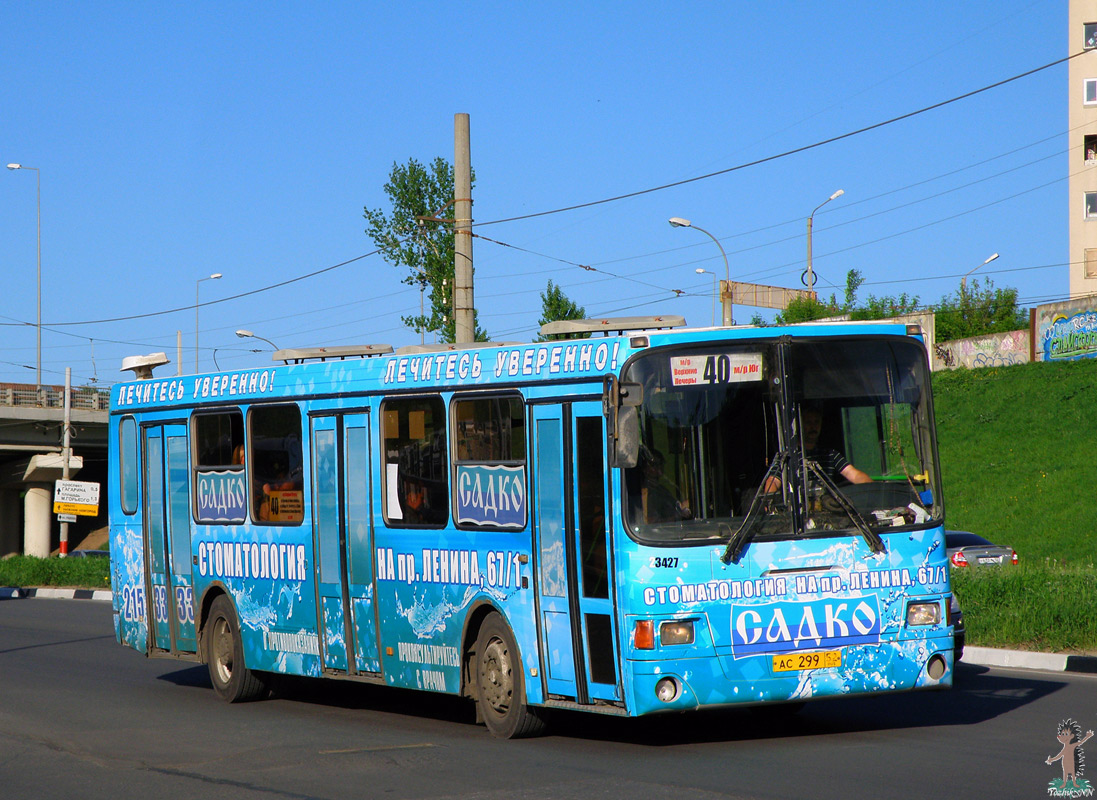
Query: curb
column 57, row 594
column 1023, row 659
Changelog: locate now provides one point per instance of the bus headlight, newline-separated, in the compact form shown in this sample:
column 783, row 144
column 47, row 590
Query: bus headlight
column 676, row 632
column 919, row 613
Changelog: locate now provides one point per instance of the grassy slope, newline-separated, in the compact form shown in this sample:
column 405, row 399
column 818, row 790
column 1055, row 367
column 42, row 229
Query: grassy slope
column 1019, row 456
column 1019, row 460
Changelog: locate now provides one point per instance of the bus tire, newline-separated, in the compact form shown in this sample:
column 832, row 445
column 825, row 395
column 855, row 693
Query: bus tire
column 232, row 681
column 500, row 684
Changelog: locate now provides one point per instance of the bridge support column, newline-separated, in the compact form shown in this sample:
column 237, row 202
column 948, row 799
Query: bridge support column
column 37, row 511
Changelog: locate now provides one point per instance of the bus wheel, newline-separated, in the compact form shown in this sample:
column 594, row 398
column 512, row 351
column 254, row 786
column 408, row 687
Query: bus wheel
column 232, row 681
column 500, row 687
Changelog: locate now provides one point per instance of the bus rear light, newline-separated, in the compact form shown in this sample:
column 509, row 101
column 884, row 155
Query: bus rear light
column 923, row 613
column 677, row 632
column 667, row 690
column 643, row 635
column 958, row 559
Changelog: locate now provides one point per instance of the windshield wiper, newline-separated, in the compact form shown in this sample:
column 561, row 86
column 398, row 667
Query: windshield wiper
column 739, row 540
column 875, row 543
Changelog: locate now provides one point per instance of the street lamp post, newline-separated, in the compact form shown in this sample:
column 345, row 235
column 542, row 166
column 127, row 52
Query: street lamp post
column 700, row 271
column 213, row 277
column 38, row 176
column 680, row 222
column 811, row 275
column 243, row 334
column 963, row 280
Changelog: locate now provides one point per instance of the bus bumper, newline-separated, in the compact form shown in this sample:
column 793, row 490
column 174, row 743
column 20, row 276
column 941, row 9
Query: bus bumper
column 683, row 684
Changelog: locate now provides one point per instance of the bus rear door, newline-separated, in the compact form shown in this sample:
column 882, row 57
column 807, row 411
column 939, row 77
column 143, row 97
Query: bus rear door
column 169, row 586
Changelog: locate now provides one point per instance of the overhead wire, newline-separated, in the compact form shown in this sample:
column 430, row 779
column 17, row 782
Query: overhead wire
column 786, row 153
column 191, row 306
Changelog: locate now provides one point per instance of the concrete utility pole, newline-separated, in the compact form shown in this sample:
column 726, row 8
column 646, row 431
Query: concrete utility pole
column 463, row 304
column 66, row 453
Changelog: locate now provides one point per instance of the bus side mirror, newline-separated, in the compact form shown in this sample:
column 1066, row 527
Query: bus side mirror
column 620, row 402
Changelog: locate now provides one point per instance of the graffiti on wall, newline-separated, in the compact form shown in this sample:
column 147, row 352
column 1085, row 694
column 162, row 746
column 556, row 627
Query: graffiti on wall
column 1066, row 330
column 1069, row 338
column 994, row 350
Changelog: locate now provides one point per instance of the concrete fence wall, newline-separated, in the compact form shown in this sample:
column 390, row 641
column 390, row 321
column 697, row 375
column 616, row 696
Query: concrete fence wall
column 991, row 350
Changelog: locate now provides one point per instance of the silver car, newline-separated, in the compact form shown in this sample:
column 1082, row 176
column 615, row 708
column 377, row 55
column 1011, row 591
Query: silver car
column 970, row 550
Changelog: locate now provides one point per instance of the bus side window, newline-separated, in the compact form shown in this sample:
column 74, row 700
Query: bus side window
column 489, row 442
column 215, row 438
column 275, row 460
column 128, row 463
column 416, row 462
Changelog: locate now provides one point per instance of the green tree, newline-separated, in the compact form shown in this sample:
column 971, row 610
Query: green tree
column 555, row 305
column 424, row 248
column 806, row 309
column 978, row 311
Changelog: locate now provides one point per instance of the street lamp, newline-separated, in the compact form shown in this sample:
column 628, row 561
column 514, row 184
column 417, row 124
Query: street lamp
column 811, row 276
column 213, row 277
column 38, row 175
column 679, row 222
column 243, row 334
column 700, row 271
column 963, row 280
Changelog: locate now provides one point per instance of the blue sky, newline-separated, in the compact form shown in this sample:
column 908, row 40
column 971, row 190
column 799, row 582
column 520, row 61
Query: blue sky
column 179, row 140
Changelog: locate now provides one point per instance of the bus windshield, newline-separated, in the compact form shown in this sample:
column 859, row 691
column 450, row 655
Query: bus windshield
column 789, row 438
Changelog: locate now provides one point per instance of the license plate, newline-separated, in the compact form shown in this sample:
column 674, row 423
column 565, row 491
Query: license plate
column 990, row 559
column 798, row 662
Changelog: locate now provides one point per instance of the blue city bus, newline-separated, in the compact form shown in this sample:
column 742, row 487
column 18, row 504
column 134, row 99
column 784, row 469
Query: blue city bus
column 649, row 519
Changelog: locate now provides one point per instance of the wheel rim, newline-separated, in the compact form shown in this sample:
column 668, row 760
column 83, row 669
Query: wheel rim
column 496, row 678
column 222, row 650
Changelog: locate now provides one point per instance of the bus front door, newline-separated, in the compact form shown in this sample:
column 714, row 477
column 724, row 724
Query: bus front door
column 169, row 587
column 342, row 543
column 578, row 651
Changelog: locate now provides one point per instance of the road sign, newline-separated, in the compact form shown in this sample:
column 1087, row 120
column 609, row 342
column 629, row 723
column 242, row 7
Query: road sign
column 759, row 295
column 76, row 497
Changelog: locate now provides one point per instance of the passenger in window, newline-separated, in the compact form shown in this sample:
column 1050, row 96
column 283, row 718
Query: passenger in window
column 238, row 455
column 415, row 502
column 271, row 492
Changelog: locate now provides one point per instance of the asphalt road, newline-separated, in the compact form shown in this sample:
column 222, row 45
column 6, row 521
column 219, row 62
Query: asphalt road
column 83, row 717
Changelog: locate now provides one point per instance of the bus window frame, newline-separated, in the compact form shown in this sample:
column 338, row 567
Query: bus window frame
column 125, row 457
column 251, row 450
column 196, row 469
column 456, row 462
column 382, row 407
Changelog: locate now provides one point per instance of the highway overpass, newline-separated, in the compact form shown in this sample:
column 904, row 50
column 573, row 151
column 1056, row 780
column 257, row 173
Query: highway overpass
column 31, row 435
